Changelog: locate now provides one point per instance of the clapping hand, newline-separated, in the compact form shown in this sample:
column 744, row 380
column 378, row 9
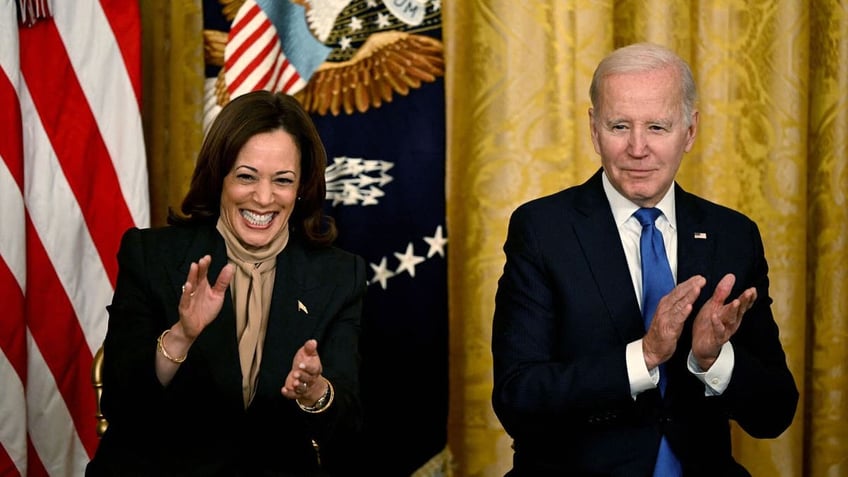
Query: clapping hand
column 305, row 382
column 717, row 321
column 200, row 303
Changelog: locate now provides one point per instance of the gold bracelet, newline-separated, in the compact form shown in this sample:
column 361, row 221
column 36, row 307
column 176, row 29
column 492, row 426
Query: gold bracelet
column 323, row 403
column 160, row 346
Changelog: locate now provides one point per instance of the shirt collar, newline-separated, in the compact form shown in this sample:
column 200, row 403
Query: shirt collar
column 623, row 208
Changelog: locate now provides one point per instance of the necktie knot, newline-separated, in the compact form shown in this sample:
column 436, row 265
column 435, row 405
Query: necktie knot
column 647, row 216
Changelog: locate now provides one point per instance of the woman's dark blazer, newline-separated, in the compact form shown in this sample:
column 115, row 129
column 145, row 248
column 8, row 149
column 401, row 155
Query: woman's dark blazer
column 565, row 311
column 197, row 425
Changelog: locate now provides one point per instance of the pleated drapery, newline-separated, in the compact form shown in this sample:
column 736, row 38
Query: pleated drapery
column 772, row 77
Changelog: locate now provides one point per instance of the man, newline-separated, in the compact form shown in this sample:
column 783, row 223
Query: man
column 585, row 384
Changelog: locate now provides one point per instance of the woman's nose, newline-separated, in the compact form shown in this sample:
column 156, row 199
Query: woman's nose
column 264, row 193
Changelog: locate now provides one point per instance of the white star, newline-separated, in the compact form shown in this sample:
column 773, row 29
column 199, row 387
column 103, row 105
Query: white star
column 370, row 3
column 382, row 20
column 408, row 261
column 437, row 243
column 381, row 273
column 437, row 4
column 372, row 196
column 344, row 44
column 351, row 194
column 355, row 24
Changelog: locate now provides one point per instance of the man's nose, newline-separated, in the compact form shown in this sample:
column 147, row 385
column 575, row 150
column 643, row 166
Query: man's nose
column 637, row 143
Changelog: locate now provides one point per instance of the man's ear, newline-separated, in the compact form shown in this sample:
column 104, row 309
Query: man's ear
column 692, row 131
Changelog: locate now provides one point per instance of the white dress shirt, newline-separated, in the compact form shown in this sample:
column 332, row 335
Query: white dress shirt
column 715, row 379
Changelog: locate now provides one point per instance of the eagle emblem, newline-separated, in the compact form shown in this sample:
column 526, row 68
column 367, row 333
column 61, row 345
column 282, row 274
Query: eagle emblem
column 334, row 56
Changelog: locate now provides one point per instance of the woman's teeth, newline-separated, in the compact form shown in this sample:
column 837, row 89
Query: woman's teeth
column 257, row 219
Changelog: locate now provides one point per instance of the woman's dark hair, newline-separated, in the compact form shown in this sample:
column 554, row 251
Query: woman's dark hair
column 241, row 119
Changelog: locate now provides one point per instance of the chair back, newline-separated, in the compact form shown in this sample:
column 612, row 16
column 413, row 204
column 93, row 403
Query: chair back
column 97, row 382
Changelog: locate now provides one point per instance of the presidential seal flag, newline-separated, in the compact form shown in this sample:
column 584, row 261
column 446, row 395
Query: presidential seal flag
column 371, row 74
column 73, row 178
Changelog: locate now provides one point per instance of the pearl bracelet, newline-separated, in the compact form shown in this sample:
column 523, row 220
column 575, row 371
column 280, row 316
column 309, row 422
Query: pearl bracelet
column 160, row 346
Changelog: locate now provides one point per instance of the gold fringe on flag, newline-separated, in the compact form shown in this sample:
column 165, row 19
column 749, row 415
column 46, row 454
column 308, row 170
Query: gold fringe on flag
column 31, row 11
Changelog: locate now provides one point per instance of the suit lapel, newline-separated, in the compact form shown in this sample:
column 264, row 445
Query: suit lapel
column 695, row 252
column 695, row 241
column 295, row 313
column 600, row 240
column 205, row 241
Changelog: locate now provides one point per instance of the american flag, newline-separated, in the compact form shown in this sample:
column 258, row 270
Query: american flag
column 73, row 178
column 254, row 56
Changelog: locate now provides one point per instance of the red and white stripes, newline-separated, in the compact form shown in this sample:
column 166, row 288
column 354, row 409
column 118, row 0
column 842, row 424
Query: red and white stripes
column 73, row 178
column 254, row 58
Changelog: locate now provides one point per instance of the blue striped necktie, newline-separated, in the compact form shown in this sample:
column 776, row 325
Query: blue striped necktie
column 657, row 281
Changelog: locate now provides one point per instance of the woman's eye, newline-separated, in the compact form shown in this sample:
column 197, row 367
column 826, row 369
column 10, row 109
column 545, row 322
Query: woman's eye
column 283, row 180
column 244, row 177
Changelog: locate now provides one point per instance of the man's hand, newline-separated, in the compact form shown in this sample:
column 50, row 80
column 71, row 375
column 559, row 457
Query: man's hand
column 717, row 322
column 660, row 341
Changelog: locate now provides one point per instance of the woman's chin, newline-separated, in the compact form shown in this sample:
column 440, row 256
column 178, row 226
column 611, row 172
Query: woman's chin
column 256, row 237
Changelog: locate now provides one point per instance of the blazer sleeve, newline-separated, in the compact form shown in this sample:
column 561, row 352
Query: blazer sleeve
column 558, row 357
column 135, row 320
column 762, row 395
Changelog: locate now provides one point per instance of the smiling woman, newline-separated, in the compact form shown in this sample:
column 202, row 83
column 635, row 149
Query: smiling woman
column 243, row 131
column 211, row 315
column 259, row 193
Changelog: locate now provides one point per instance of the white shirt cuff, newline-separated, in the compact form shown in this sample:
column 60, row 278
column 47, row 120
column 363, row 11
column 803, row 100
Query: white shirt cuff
column 641, row 379
column 717, row 378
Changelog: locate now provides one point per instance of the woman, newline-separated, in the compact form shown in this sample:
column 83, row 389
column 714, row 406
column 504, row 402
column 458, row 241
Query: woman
column 232, row 346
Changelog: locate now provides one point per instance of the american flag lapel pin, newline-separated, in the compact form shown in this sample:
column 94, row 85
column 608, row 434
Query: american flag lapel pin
column 302, row 307
column 701, row 235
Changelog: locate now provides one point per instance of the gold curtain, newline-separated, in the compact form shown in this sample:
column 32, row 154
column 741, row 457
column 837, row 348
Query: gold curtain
column 773, row 143
column 172, row 98
column 773, row 77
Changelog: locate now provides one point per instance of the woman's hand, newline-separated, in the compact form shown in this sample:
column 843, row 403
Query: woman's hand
column 305, row 382
column 200, row 303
